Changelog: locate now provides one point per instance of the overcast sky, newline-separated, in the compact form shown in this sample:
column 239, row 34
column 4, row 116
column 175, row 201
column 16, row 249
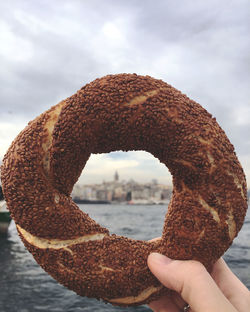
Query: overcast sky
column 49, row 49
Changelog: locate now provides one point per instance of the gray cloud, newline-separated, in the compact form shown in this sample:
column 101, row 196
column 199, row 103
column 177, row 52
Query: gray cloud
column 49, row 49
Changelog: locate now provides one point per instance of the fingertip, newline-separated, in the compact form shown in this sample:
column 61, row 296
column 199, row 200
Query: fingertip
column 158, row 265
column 158, row 259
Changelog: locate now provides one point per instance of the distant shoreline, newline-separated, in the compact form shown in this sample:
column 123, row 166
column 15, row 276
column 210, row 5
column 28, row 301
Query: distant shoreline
column 106, row 202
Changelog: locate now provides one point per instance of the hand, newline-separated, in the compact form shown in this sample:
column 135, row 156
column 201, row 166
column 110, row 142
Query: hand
column 221, row 291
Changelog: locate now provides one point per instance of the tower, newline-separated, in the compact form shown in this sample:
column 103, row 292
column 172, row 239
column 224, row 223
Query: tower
column 116, row 177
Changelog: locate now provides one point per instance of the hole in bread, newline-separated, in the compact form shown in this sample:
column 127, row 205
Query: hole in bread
column 136, row 187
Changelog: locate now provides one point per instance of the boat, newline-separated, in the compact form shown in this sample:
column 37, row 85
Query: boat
column 4, row 215
column 4, row 218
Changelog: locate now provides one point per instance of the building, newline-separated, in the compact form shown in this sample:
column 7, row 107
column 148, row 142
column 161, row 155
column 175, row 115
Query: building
column 124, row 191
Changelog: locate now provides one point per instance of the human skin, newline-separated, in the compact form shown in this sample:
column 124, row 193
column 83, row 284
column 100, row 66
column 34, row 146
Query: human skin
column 220, row 291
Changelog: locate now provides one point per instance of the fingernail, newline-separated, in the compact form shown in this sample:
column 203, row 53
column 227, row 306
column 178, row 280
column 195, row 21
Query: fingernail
column 159, row 258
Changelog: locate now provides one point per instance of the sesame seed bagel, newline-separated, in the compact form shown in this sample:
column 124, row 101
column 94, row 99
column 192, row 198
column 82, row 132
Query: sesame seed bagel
column 123, row 112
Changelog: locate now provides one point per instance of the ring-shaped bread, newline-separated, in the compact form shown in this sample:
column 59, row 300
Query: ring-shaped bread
column 123, row 112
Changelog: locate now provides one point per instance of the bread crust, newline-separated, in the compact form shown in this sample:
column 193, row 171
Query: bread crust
column 123, row 112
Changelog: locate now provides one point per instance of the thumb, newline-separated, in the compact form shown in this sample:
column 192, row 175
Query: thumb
column 192, row 281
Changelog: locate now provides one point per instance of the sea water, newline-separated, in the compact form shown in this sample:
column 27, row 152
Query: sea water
column 25, row 287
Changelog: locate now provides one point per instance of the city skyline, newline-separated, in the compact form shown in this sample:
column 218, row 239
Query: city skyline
column 123, row 191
